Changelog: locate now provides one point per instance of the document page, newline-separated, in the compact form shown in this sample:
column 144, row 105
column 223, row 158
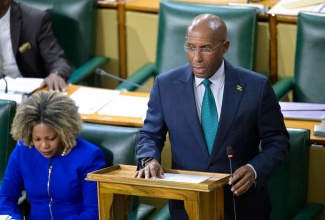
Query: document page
column 20, row 84
column 183, row 178
column 91, row 100
column 126, row 106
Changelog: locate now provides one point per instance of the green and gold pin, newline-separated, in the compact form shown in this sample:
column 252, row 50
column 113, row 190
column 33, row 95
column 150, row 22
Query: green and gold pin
column 239, row 88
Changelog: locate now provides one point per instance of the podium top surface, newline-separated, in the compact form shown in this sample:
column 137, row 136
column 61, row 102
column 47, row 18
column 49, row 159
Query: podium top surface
column 123, row 174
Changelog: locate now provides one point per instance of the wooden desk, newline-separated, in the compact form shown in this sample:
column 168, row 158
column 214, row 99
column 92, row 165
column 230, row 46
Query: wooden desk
column 308, row 125
column 202, row 200
column 106, row 119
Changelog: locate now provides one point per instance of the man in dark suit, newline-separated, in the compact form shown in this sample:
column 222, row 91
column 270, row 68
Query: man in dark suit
column 28, row 47
column 248, row 115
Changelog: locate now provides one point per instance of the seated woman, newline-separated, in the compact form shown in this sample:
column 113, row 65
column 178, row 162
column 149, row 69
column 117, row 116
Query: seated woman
column 50, row 162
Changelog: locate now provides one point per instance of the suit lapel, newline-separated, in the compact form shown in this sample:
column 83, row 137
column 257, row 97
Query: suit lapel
column 185, row 86
column 15, row 27
column 232, row 96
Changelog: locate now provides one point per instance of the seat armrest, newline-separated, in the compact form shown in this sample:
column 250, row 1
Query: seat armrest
column 163, row 214
column 138, row 77
column 282, row 87
column 309, row 211
column 87, row 69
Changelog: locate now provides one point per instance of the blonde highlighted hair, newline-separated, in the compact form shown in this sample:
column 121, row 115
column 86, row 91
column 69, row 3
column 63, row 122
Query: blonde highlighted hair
column 53, row 109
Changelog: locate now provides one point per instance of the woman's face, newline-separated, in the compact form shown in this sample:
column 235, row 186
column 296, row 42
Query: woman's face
column 46, row 140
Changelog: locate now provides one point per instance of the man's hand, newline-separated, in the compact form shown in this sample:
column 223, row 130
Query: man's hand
column 242, row 180
column 151, row 169
column 54, row 82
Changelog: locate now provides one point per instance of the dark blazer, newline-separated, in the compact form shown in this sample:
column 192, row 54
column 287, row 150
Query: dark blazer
column 250, row 113
column 29, row 26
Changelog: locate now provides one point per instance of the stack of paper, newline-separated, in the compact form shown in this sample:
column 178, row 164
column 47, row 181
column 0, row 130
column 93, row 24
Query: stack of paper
column 303, row 111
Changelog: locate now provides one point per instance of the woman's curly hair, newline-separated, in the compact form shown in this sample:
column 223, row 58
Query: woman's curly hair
column 53, row 109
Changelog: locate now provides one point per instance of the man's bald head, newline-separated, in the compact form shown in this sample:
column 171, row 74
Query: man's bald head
column 208, row 24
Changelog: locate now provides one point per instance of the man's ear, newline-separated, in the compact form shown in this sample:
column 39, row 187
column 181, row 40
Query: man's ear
column 226, row 45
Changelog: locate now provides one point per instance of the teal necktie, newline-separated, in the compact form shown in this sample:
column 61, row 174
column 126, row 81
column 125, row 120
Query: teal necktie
column 209, row 116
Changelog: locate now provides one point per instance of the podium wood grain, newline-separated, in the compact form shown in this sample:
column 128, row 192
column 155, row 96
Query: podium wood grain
column 116, row 186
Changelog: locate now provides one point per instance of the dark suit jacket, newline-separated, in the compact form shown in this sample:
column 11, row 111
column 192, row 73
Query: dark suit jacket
column 45, row 56
column 248, row 115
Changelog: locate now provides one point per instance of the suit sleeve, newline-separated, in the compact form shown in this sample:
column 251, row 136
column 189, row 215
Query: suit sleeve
column 51, row 52
column 153, row 134
column 274, row 136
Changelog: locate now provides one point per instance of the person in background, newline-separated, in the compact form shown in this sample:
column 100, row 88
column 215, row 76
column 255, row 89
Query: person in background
column 206, row 106
column 28, row 47
column 50, row 162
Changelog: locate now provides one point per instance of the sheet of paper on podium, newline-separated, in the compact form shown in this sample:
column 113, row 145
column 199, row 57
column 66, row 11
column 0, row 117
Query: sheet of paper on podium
column 90, row 100
column 303, row 111
column 183, row 178
column 126, row 106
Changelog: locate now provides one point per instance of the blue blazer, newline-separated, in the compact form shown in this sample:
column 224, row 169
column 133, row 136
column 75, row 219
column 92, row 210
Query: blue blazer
column 250, row 116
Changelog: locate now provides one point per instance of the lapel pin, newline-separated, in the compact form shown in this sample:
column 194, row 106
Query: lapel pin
column 239, row 88
column 24, row 47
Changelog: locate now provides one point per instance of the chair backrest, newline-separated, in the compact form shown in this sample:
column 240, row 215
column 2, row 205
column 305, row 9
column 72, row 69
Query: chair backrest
column 174, row 17
column 118, row 143
column 309, row 73
column 7, row 144
column 288, row 184
column 73, row 23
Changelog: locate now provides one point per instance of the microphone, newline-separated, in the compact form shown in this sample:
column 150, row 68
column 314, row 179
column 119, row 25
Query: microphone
column 3, row 77
column 230, row 154
column 103, row 73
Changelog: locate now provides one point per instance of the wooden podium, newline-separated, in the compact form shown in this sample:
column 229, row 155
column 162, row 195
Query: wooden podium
column 116, row 186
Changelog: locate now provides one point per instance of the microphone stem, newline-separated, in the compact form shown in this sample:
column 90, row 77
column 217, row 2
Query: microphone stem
column 3, row 77
column 101, row 72
column 233, row 194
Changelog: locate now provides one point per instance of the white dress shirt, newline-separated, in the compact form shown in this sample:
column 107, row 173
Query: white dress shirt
column 7, row 59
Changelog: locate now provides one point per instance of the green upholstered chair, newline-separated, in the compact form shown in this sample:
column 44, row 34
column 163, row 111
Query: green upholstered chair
column 309, row 71
column 289, row 183
column 118, row 144
column 74, row 25
column 174, row 17
column 7, row 143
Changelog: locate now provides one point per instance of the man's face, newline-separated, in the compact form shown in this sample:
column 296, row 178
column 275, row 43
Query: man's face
column 206, row 50
column 4, row 5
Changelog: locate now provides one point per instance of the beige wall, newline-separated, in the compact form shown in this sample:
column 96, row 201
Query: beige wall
column 286, row 49
column 107, row 43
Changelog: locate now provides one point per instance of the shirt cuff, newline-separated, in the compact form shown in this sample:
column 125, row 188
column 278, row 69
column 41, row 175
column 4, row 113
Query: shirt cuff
column 253, row 170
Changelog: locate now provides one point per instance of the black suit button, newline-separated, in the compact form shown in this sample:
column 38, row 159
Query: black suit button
column 210, row 166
